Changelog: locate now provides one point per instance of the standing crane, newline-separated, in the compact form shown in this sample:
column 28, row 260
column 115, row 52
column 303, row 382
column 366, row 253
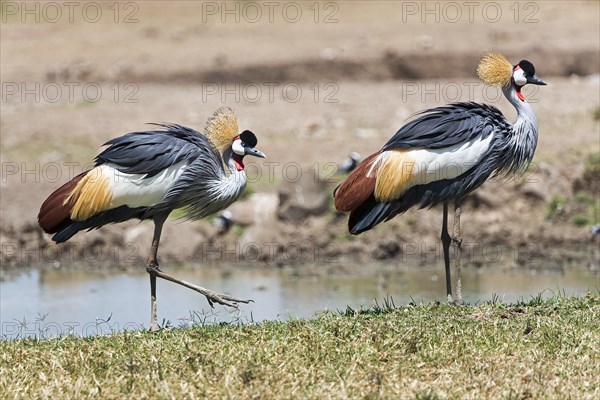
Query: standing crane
column 443, row 155
column 146, row 175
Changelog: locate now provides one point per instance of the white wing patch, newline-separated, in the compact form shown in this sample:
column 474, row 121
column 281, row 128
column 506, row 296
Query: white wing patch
column 133, row 190
column 447, row 163
column 397, row 170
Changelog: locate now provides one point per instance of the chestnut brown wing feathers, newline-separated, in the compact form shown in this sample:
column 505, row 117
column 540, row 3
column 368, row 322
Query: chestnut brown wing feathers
column 357, row 187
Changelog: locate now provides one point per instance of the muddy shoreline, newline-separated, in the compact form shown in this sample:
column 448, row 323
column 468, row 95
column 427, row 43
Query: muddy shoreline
column 410, row 239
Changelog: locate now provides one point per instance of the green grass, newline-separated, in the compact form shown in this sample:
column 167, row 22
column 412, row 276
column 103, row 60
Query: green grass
column 536, row 349
column 555, row 208
column 592, row 162
column 590, row 207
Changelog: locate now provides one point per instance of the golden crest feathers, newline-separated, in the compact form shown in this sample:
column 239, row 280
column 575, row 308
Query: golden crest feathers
column 494, row 69
column 222, row 127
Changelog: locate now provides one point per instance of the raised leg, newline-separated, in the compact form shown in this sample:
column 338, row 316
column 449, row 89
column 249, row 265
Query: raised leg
column 457, row 239
column 212, row 297
column 155, row 272
column 446, row 240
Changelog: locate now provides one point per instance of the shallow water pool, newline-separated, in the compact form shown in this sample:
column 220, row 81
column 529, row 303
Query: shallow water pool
column 85, row 302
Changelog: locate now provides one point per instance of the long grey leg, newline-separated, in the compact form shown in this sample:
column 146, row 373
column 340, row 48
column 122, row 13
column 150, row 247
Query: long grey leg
column 446, row 240
column 457, row 239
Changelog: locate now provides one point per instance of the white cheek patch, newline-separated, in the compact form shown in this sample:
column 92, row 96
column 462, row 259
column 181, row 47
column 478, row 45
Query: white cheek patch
column 519, row 77
column 238, row 148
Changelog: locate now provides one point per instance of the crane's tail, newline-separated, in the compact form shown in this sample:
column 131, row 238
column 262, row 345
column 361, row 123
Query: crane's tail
column 112, row 216
column 371, row 213
column 55, row 213
column 356, row 194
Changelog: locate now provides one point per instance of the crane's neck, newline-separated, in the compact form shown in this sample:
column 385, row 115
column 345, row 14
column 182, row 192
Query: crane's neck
column 523, row 138
column 234, row 183
column 526, row 120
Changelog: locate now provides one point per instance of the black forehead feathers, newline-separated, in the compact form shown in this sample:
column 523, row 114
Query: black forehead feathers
column 248, row 138
column 527, row 67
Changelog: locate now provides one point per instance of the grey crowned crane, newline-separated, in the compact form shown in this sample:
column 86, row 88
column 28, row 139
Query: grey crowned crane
column 146, row 175
column 443, row 155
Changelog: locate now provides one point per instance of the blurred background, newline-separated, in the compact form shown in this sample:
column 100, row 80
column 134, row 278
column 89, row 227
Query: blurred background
column 316, row 81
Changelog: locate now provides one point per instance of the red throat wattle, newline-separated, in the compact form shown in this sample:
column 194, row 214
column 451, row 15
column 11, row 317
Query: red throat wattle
column 519, row 94
column 239, row 162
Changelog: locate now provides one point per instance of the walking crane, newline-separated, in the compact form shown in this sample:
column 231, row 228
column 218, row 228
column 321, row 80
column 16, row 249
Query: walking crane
column 146, row 175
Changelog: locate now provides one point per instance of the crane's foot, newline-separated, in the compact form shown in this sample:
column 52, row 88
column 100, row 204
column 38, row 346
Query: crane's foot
column 458, row 301
column 153, row 327
column 212, row 297
column 222, row 298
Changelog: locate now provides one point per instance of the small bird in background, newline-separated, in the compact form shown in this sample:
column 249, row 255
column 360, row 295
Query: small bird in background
column 443, row 155
column 146, row 175
column 349, row 164
column 224, row 222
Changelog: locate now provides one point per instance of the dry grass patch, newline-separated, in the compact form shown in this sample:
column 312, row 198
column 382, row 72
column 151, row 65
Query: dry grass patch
column 538, row 349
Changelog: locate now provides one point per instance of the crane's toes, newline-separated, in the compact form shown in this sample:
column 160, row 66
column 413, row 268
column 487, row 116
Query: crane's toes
column 224, row 299
column 454, row 301
column 235, row 299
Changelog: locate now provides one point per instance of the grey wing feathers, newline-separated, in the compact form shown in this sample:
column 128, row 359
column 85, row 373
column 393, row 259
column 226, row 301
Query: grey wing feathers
column 442, row 127
column 150, row 152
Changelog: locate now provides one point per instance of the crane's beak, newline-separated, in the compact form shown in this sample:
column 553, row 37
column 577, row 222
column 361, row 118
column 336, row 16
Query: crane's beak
column 534, row 80
column 251, row 151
